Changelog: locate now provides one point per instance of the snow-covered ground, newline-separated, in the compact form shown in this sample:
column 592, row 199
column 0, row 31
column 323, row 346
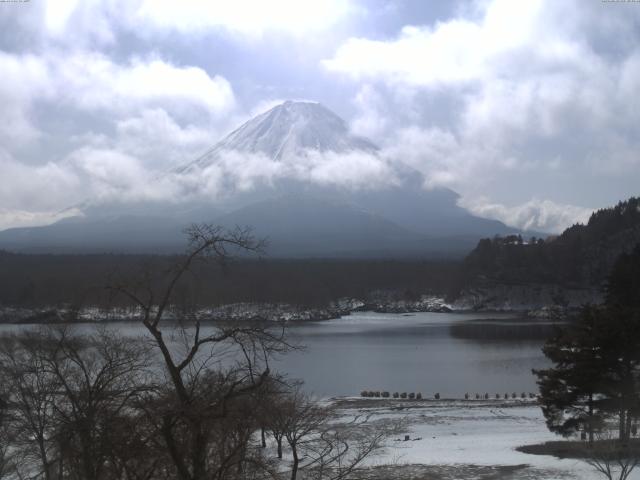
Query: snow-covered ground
column 455, row 438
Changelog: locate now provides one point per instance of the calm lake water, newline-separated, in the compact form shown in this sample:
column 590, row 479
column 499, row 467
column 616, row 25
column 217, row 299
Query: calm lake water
column 449, row 353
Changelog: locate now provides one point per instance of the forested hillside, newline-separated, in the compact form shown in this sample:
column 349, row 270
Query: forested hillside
column 581, row 256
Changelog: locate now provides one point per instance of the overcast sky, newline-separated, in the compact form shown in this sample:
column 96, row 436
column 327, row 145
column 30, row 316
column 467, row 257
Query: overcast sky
column 529, row 109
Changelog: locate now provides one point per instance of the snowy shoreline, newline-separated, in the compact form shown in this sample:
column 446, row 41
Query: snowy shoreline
column 249, row 311
column 378, row 302
column 463, row 439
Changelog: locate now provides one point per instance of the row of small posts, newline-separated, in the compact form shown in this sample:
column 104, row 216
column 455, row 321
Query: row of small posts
column 418, row 396
column 378, row 394
column 498, row 396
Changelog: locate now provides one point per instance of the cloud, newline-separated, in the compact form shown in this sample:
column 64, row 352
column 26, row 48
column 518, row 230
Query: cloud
column 110, row 174
column 534, row 215
column 45, row 187
column 523, row 101
column 92, row 110
column 23, row 218
column 232, row 171
column 93, row 81
column 24, row 80
column 160, row 115
column 158, row 140
column 247, row 17
column 460, row 51
column 92, row 84
column 108, row 24
column 516, row 99
column 429, row 151
column 370, row 122
column 100, row 174
column 353, row 170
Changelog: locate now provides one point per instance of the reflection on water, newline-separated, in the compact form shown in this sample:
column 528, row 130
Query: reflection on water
column 427, row 352
column 447, row 353
column 516, row 329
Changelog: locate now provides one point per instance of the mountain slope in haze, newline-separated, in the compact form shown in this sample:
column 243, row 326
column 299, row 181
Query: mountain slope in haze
column 121, row 233
column 330, row 229
column 301, row 215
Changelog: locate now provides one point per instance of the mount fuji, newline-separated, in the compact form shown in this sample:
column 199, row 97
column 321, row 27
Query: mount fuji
column 297, row 176
column 286, row 132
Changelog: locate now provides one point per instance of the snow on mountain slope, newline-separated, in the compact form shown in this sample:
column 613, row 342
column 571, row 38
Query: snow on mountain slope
column 288, row 131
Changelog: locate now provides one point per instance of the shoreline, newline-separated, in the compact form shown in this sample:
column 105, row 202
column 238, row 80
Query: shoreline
column 267, row 312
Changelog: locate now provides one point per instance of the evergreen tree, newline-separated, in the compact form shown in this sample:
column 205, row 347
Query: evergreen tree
column 596, row 361
column 623, row 286
column 569, row 391
column 623, row 339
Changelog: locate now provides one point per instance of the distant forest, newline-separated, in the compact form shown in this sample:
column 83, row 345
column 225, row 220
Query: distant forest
column 81, row 280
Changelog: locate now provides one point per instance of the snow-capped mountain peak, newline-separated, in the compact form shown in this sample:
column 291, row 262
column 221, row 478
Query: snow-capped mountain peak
column 286, row 131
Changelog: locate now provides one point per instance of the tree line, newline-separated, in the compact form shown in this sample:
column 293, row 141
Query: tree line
column 40, row 281
column 582, row 255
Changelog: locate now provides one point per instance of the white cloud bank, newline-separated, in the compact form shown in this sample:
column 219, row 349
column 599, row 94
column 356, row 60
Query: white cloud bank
column 534, row 215
column 161, row 114
column 247, row 17
column 233, row 171
column 24, row 218
column 94, row 81
column 88, row 82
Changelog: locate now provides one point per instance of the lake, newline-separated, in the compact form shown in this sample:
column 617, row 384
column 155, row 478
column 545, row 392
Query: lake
column 449, row 353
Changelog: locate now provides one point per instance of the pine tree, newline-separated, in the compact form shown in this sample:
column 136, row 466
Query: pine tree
column 623, row 286
column 596, row 361
column 569, row 391
column 623, row 339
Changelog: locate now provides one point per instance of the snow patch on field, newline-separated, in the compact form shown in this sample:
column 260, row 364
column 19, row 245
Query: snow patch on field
column 467, row 435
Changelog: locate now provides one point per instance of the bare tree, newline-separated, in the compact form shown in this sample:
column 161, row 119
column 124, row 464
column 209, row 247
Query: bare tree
column 274, row 410
column 29, row 395
column 98, row 375
column 323, row 445
column 303, row 421
column 613, row 458
column 7, row 457
column 66, row 392
column 194, row 409
column 341, row 448
column 134, row 450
